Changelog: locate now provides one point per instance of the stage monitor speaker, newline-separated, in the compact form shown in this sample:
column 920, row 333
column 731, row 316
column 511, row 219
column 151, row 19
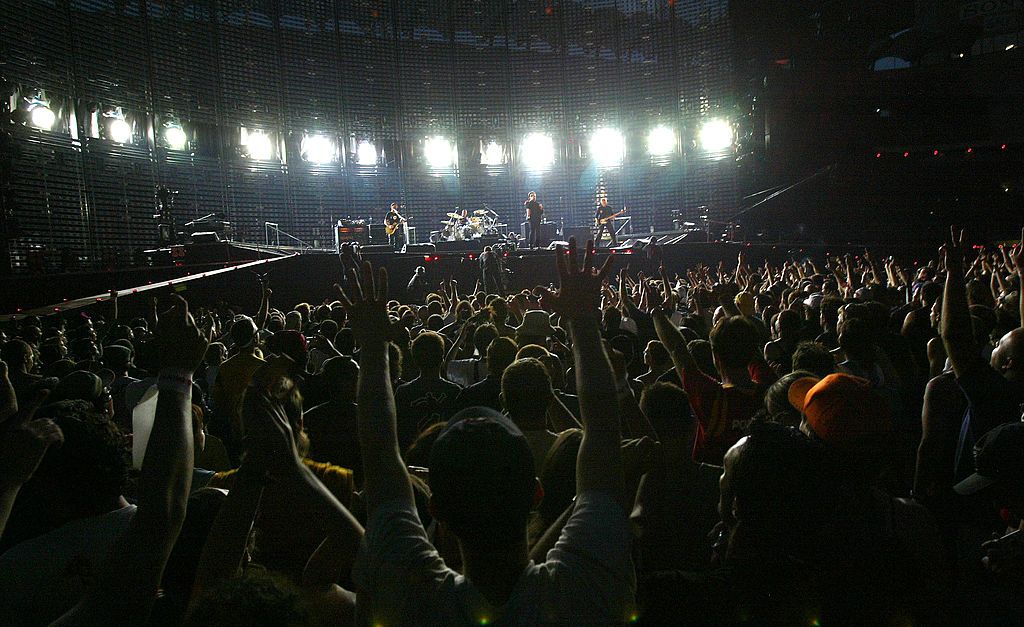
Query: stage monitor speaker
column 376, row 249
column 419, row 249
column 581, row 233
column 548, row 232
column 459, row 246
column 205, row 237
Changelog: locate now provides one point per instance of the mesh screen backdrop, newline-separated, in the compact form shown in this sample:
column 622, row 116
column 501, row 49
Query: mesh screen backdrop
column 389, row 72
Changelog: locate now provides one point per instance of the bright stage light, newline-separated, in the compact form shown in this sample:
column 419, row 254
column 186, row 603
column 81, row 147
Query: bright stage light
column 538, row 151
column 661, row 141
column 607, row 147
column 439, row 152
column 318, row 149
column 120, row 131
column 175, row 137
column 493, row 154
column 366, row 153
column 716, row 135
column 259, row 146
column 42, row 117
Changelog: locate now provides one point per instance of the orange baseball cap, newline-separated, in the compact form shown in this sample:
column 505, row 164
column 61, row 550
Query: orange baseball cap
column 841, row 408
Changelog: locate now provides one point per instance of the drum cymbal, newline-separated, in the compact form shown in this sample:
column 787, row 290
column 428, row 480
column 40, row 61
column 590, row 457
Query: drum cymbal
column 480, row 212
column 451, row 214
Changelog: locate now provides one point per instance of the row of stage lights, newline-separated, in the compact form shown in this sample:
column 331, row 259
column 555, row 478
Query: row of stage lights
column 537, row 150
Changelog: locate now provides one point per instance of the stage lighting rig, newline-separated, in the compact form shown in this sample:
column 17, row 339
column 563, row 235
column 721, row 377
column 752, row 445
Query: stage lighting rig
column 493, row 154
column 119, row 131
column 716, row 135
column 258, row 145
column 661, row 141
column 175, row 137
column 319, row 149
column 607, row 147
column 41, row 116
column 439, row 152
column 366, row 153
column 538, row 151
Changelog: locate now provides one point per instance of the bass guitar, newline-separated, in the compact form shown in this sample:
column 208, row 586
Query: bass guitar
column 600, row 221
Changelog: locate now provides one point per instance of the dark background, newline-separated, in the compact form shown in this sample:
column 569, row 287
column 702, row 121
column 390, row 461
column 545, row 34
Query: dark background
column 822, row 126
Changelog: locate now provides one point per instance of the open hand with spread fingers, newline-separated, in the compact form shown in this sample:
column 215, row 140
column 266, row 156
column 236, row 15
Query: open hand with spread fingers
column 579, row 293
column 368, row 305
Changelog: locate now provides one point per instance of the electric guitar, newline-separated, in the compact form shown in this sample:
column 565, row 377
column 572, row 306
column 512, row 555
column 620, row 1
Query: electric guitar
column 600, row 221
column 391, row 229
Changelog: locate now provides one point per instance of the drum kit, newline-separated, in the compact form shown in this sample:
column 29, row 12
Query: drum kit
column 458, row 227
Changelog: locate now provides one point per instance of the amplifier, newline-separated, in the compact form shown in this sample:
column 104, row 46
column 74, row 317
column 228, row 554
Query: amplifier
column 359, row 233
column 548, row 231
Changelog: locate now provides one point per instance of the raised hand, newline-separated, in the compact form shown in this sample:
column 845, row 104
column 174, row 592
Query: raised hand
column 24, row 442
column 269, row 442
column 579, row 293
column 1017, row 255
column 180, row 342
column 368, row 309
column 953, row 250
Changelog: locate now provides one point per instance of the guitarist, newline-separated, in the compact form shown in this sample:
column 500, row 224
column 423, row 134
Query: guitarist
column 603, row 220
column 393, row 225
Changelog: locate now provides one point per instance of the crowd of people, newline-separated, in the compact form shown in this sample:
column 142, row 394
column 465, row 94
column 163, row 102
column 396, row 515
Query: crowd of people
column 831, row 441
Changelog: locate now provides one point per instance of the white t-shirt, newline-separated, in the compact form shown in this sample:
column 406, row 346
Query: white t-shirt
column 44, row 577
column 587, row 578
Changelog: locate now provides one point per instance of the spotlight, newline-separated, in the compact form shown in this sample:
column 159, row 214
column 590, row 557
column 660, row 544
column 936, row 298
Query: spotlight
column 607, row 147
column 120, row 131
column 661, row 141
column 318, row 149
column 716, row 135
column 366, row 153
column 439, row 152
column 538, row 151
column 175, row 137
column 492, row 154
column 259, row 146
column 42, row 117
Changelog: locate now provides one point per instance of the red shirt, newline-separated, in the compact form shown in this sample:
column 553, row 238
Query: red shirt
column 723, row 412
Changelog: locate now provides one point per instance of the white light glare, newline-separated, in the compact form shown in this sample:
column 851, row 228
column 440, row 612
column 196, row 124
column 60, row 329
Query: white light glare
column 43, row 117
column 366, row 153
column 493, row 154
column 319, row 149
column 607, row 147
column 259, row 146
column 716, row 135
column 538, row 151
column 439, row 152
column 120, row 131
column 661, row 141
column 175, row 137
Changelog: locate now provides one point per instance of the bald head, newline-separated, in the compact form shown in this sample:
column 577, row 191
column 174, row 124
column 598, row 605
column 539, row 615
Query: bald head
column 1008, row 356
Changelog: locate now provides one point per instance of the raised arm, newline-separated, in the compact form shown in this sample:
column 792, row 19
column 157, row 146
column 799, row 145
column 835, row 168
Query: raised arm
column 956, row 318
column 23, row 442
column 261, row 315
column 1018, row 267
column 599, row 463
column 130, row 578
column 384, row 472
column 674, row 341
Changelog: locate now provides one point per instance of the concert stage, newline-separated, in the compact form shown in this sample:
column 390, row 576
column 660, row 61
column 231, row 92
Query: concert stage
column 228, row 272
